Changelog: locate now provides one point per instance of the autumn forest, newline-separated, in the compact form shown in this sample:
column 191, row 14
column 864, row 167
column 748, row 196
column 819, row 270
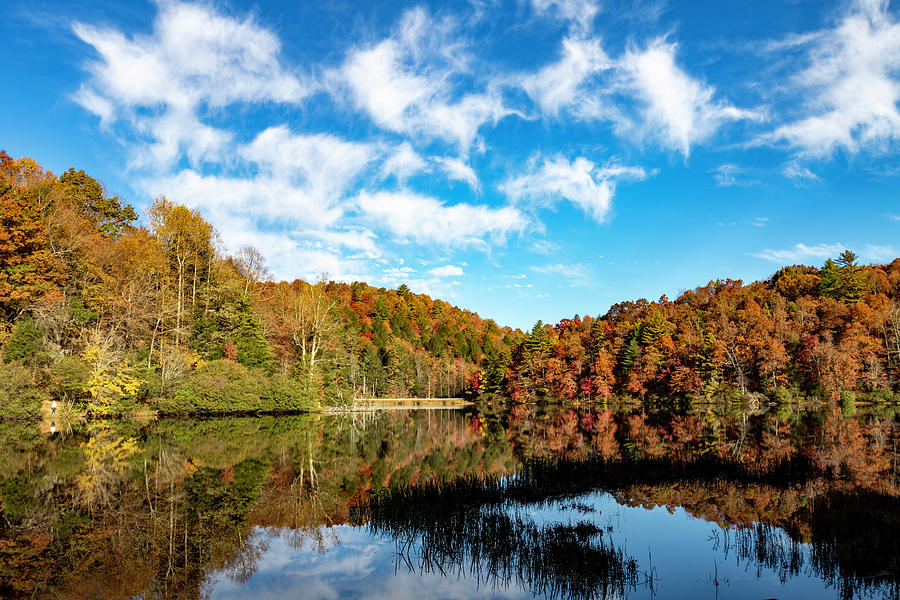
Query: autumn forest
column 107, row 312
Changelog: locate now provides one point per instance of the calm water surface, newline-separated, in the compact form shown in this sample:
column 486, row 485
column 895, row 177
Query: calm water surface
column 713, row 502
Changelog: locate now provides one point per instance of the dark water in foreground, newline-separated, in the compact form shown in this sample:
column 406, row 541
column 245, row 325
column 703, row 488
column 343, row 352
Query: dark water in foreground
column 531, row 502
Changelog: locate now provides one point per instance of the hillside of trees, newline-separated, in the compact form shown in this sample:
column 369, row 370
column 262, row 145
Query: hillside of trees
column 829, row 332
column 109, row 314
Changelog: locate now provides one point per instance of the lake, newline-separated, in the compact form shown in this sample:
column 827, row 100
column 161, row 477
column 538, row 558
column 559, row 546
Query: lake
column 710, row 501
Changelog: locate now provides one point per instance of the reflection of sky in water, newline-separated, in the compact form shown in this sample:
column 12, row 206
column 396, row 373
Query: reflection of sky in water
column 360, row 566
column 681, row 549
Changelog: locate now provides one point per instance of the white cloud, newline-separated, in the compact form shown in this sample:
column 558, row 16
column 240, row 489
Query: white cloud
column 405, row 83
column 798, row 172
column 561, row 84
column 298, row 235
column 644, row 93
column 403, row 163
column 728, row 175
column 850, row 87
column 801, row 252
column 267, row 199
column 320, row 167
column 424, row 219
column 358, row 240
column 879, row 253
column 446, row 271
column 383, row 87
column 174, row 133
column 291, row 255
column 457, row 170
column 460, row 121
column 577, row 274
column 580, row 13
column 312, row 158
column 581, row 182
column 756, row 222
column 544, row 247
column 195, row 59
column 678, row 109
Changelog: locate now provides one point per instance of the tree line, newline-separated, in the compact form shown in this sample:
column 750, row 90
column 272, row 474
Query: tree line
column 832, row 331
column 108, row 314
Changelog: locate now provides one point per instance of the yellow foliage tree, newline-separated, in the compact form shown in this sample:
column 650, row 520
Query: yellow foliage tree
column 110, row 381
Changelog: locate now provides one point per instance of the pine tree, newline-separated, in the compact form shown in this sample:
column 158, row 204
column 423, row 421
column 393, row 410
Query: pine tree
column 538, row 342
column 654, row 327
column 630, row 354
column 830, row 286
column 851, row 277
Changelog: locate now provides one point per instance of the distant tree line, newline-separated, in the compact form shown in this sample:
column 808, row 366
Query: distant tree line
column 833, row 331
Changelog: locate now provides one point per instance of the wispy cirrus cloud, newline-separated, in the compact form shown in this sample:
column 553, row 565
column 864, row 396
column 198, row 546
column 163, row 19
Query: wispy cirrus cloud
column 880, row 252
column 679, row 110
column 446, row 271
column 159, row 83
column 585, row 184
column 801, row 252
column 820, row 252
column 799, row 173
column 644, row 93
column 458, row 170
column 729, row 175
column 849, row 85
column 324, row 164
column 403, row 162
column 575, row 274
column 579, row 13
column 565, row 83
column 405, row 83
column 424, row 219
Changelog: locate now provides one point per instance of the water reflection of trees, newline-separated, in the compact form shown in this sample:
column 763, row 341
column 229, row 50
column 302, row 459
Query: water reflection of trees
column 848, row 538
column 88, row 514
column 852, row 545
column 470, row 527
column 120, row 509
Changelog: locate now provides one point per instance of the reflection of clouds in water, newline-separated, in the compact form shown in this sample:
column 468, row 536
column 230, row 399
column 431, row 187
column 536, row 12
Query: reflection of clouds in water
column 356, row 567
column 685, row 560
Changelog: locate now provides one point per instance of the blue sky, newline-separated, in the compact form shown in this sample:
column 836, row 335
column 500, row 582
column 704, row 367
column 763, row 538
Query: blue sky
column 526, row 159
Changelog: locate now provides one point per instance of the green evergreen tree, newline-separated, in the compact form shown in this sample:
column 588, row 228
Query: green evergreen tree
column 380, row 336
column 26, row 344
column 851, row 277
column 538, row 342
column 843, row 279
column 229, row 319
column 108, row 215
column 654, row 327
column 830, row 285
column 494, row 368
column 382, row 310
column 631, row 351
